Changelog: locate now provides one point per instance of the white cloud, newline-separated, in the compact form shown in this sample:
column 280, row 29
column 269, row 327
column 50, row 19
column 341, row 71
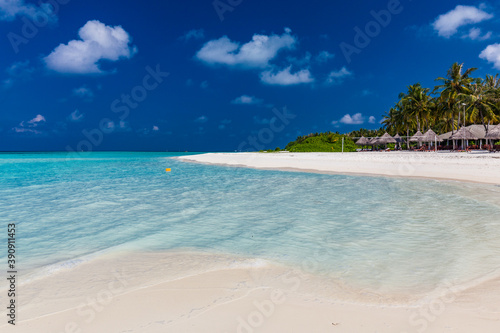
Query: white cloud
column 255, row 54
column 324, row 56
column 201, row 119
column 248, row 100
column 76, row 116
column 336, row 77
column 475, row 34
column 97, row 42
column 35, row 121
column 355, row 119
column 10, row 9
column 30, row 125
column 492, row 54
column 372, row 120
column 286, row 78
column 156, row 128
column 447, row 24
column 193, row 34
column 121, row 126
column 83, row 92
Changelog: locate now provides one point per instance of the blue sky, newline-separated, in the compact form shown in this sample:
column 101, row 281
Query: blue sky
column 221, row 75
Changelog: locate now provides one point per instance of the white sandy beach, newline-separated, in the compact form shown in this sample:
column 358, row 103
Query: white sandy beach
column 482, row 168
column 189, row 292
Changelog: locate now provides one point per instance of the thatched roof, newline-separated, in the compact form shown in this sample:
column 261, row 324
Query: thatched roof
column 417, row 137
column 465, row 134
column 477, row 130
column 363, row 141
column 386, row 138
column 431, row 136
column 494, row 133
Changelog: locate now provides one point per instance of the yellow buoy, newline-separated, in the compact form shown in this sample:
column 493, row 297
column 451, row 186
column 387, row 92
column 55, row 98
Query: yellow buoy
column 167, row 170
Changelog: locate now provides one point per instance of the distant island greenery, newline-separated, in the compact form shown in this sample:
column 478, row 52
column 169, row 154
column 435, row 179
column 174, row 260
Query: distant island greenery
column 459, row 100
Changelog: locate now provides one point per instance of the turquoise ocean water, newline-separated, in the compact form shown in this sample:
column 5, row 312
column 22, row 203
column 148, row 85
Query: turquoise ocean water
column 371, row 232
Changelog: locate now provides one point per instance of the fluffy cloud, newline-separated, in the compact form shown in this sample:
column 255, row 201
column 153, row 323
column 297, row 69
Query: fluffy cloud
column 97, row 42
column 475, row 34
column 372, row 120
column 121, row 126
column 35, row 121
column 336, row 77
column 193, row 34
column 247, row 100
column 156, row 128
column 492, row 54
column 30, row 125
column 10, row 9
column 255, row 54
column 355, row 119
column 76, row 116
column 447, row 24
column 286, row 78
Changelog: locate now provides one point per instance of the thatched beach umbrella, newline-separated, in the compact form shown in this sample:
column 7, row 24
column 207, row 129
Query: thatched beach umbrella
column 363, row 141
column 463, row 134
column 431, row 136
column 417, row 137
column 374, row 141
column 387, row 138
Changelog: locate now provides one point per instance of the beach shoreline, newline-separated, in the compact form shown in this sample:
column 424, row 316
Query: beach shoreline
column 177, row 291
column 476, row 168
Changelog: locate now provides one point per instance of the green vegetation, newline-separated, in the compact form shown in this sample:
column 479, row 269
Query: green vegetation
column 460, row 100
column 321, row 142
column 367, row 133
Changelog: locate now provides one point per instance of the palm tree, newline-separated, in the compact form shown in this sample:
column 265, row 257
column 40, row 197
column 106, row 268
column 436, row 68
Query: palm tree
column 418, row 103
column 481, row 102
column 453, row 86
